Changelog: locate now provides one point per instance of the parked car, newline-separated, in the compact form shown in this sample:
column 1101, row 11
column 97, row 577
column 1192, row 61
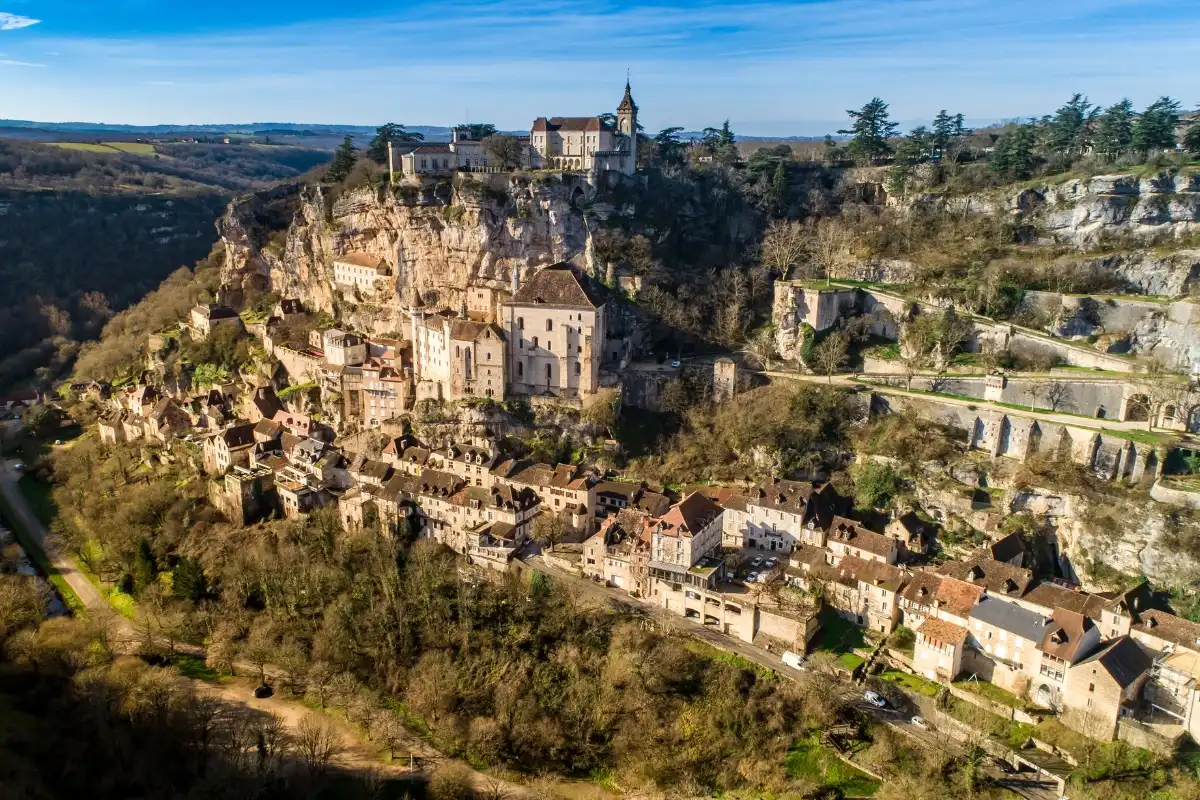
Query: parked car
column 794, row 660
column 874, row 699
column 757, row 562
column 19, row 466
column 771, row 562
column 919, row 722
column 675, row 364
column 752, row 577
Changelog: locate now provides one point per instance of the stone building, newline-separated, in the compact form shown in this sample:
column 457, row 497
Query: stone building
column 554, row 328
column 207, row 317
column 455, row 358
column 360, row 271
column 588, row 144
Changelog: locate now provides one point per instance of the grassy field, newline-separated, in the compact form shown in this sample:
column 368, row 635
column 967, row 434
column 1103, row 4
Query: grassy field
column 810, row 760
column 134, row 148
column 913, row 683
column 992, row 692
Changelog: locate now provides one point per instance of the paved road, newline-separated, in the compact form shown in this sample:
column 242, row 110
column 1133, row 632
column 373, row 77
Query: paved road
column 1026, row 786
column 29, row 523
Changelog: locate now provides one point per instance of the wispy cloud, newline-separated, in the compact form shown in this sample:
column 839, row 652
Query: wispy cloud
column 8, row 62
column 773, row 66
column 12, row 22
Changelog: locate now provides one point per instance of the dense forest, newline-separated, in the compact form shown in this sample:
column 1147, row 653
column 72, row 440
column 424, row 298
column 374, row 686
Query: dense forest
column 85, row 234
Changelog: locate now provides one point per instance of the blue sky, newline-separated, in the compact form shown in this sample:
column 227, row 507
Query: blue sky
column 773, row 67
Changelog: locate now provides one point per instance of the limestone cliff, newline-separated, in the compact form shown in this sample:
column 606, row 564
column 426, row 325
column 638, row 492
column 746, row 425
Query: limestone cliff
column 440, row 238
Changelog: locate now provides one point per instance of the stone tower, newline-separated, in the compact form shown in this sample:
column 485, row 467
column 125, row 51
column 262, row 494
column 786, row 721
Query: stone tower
column 724, row 380
column 627, row 123
column 416, row 317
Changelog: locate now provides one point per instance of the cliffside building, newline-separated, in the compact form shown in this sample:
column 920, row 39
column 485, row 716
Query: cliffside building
column 555, row 331
column 588, row 144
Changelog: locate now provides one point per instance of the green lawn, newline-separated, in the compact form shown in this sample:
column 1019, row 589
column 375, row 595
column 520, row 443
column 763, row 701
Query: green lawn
column 838, row 635
column 850, row 661
column 914, row 683
column 194, row 667
column 992, row 692
column 811, row 761
column 136, row 148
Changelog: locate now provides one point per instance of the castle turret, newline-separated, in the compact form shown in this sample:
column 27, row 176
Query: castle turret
column 627, row 113
column 416, row 316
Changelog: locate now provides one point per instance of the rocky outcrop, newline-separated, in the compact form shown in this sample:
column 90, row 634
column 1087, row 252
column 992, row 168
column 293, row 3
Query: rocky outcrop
column 440, row 239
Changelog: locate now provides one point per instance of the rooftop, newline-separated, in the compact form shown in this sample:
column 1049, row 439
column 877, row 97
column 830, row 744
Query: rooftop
column 557, row 285
column 1010, row 617
column 941, row 631
column 1124, row 659
column 998, row 577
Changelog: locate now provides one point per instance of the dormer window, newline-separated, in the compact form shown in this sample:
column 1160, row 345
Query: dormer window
column 974, row 573
column 1010, row 585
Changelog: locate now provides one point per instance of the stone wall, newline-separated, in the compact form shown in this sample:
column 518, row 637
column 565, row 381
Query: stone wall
column 1079, row 396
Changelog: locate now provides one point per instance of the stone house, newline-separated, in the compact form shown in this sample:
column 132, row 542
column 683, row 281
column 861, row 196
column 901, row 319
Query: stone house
column 207, row 317
column 472, row 464
column 928, row 595
column 360, row 271
column 228, row 447
column 167, row 421
column 565, row 489
column 244, row 494
column 848, row 538
column 1069, row 638
column 555, row 330
column 1003, row 644
column 1105, row 687
column 385, row 392
column 618, row 554
column 111, row 428
column 613, row 496
column 779, row 515
column 938, row 651
column 910, row 532
column 342, row 349
column 1000, row 579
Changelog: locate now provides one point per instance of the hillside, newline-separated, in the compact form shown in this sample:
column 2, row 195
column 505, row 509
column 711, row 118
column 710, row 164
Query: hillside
column 87, row 230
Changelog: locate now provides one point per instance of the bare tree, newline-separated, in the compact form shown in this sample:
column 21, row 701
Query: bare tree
column 1037, row 391
column 1058, row 393
column 831, row 353
column 317, row 744
column 831, row 246
column 507, row 150
column 548, row 529
column 387, row 730
column 784, row 246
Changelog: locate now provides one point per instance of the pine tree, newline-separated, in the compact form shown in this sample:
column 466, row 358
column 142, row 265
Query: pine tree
column 1191, row 139
column 916, row 148
column 343, row 162
column 948, row 131
column 377, row 150
column 1069, row 130
column 779, row 187
column 1015, row 154
column 871, row 129
column 1155, row 128
column 144, row 569
column 1114, row 129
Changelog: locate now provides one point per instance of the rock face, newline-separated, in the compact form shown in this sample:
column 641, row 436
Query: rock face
column 474, row 231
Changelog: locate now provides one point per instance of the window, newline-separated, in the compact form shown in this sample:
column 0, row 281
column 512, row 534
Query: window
column 1091, row 687
column 535, row 342
column 520, row 323
column 520, row 370
column 578, row 369
column 489, row 356
column 547, row 373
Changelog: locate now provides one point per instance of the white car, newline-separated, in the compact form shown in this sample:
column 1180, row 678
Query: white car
column 874, row 699
column 919, row 722
column 793, row 660
column 757, row 562
column 771, row 562
column 752, row 577
column 675, row 364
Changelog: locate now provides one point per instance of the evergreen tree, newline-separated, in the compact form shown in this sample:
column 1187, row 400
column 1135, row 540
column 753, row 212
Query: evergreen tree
column 144, row 569
column 342, row 163
column 377, row 150
column 188, row 581
column 1069, row 130
column 1015, row 154
column 947, row 131
column 480, row 130
column 1114, row 129
column 871, row 129
column 1155, row 128
column 916, row 148
column 1191, row 139
column 779, row 188
column 668, row 147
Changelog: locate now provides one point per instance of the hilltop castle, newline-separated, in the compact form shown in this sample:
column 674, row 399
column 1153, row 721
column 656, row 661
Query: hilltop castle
column 576, row 144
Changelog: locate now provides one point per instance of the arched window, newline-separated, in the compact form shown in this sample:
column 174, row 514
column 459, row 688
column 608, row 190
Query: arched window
column 535, row 342
column 520, row 370
column 467, row 365
column 457, row 351
column 520, row 323
column 578, row 369
column 549, row 324
column 547, row 374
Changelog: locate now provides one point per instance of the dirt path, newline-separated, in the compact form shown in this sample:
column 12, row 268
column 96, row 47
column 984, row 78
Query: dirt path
column 357, row 754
